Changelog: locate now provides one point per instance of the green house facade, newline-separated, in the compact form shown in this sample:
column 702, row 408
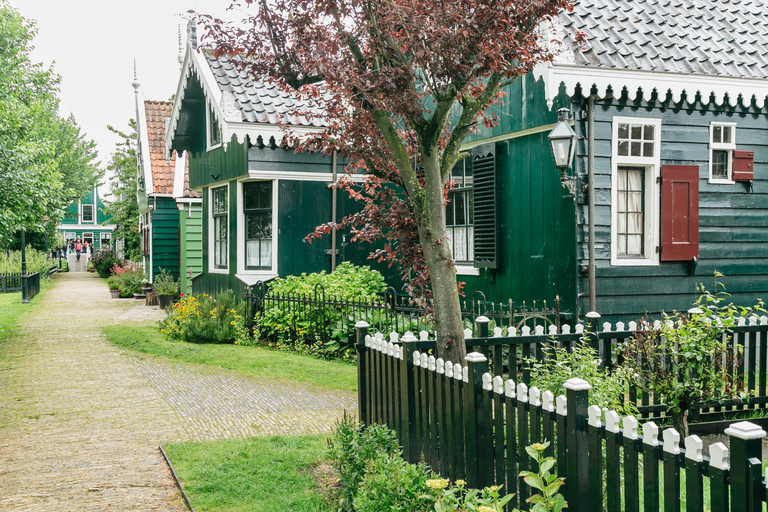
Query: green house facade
column 86, row 219
column 672, row 128
column 259, row 199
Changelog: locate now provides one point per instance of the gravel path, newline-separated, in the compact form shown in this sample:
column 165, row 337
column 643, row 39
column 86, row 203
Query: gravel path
column 81, row 421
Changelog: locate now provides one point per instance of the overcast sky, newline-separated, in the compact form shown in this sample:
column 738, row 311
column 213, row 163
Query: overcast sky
column 92, row 45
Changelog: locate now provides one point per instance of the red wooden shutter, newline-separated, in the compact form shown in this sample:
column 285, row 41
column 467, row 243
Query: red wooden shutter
column 679, row 212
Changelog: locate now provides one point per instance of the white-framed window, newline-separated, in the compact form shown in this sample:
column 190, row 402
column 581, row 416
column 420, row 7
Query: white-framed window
column 106, row 239
column 635, row 193
column 219, row 229
column 87, row 213
column 722, row 142
column 214, row 130
column 257, row 228
column 459, row 218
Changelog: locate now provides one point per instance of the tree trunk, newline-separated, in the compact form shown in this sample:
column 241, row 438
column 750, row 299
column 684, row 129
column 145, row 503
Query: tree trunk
column 680, row 422
column 432, row 235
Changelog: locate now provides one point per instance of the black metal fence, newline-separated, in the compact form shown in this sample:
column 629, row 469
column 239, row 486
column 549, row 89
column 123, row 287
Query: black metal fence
column 323, row 317
column 468, row 424
column 32, row 287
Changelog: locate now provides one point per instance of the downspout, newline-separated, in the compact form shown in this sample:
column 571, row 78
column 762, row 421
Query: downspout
column 591, row 199
column 333, row 212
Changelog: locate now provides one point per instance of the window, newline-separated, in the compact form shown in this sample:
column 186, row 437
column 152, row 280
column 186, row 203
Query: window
column 87, row 213
column 257, row 213
column 459, row 219
column 635, row 193
column 220, row 216
column 106, row 239
column 722, row 142
column 214, row 130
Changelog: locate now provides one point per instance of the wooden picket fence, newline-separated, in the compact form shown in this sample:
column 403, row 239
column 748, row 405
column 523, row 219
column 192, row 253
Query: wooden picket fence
column 10, row 283
column 467, row 424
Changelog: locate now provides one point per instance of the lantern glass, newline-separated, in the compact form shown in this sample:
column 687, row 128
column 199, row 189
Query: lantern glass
column 562, row 139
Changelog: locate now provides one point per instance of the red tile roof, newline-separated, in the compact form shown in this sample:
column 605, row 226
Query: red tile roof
column 157, row 113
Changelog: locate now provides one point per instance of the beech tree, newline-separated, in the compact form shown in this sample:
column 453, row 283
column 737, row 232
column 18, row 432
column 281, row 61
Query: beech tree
column 398, row 86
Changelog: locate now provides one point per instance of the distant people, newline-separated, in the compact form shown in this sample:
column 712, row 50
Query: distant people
column 78, row 248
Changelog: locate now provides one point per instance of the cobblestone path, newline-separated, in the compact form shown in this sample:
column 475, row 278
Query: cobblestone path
column 80, row 421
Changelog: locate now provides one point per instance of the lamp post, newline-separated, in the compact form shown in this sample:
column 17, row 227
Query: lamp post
column 562, row 140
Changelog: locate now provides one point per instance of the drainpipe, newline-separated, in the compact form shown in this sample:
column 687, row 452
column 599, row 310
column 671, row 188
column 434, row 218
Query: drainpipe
column 591, row 199
column 333, row 212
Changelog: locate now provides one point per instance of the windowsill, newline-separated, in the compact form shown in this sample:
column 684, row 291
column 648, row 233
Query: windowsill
column 713, row 181
column 214, row 146
column 633, row 262
column 252, row 277
column 218, row 270
column 466, row 270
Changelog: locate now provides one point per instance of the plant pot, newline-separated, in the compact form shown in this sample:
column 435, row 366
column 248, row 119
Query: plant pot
column 146, row 289
column 164, row 300
column 115, row 293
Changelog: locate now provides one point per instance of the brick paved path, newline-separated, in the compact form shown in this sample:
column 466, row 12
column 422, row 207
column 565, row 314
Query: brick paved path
column 80, row 421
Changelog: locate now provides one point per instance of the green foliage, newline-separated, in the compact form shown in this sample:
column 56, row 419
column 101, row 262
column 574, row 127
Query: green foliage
column 549, row 498
column 351, row 449
column 165, row 284
column 205, row 319
column 292, row 328
column 103, row 260
column 124, row 208
column 689, row 358
column 458, row 498
column 391, row 484
column 129, row 278
column 37, row 261
column 112, row 283
column 609, row 388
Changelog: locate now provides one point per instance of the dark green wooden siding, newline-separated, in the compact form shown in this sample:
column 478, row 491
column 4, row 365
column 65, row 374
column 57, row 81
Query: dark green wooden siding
column 190, row 247
column 733, row 222
column 207, row 167
column 165, row 236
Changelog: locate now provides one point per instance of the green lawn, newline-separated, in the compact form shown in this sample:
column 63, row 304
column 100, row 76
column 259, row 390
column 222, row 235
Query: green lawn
column 11, row 308
column 255, row 361
column 255, row 474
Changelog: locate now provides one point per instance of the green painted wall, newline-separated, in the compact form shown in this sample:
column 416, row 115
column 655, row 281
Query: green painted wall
column 190, row 243
column 165, row 236
column 733, row 222
column 207, row 167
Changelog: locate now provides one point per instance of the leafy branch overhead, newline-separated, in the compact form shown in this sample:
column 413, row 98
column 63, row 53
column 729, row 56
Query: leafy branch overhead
column 399, row 86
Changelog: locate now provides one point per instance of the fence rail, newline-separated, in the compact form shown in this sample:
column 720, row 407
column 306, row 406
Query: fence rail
column 324, row 313
column 469, row 424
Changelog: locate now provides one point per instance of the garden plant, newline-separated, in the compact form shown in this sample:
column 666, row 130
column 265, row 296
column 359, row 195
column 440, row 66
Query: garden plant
column 205, row 319
column 128, row 277
column 165, row 284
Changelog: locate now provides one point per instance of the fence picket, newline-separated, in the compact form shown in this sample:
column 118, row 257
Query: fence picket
column 694, row 480
column 671, row 470
column 652, row 453
column 522, row 437
column 595, row 432
column 511, row 444
column 718, row 477
column 612, row 461
column 631, row 443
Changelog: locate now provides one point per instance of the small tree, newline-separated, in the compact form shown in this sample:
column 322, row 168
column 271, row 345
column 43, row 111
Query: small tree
column 688, row 359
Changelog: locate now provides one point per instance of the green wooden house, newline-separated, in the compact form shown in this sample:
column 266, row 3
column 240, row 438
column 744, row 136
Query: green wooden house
column 259, row 198
column 670, row 178
column 86, row 219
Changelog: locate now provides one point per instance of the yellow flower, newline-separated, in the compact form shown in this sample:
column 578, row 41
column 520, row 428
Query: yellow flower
column 538, row 447
column 485, row 508
column 495, row 488
column 461, row 482
column 437, row 483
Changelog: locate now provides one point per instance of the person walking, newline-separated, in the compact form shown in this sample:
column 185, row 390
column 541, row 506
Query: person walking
column 78, row 248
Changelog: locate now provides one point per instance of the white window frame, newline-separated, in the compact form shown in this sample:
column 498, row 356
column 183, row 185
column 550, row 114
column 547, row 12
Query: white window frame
column 210, row 146
column 82, row 214
column 211, row 235
column 251, row 276
column 651, row 217
column 729, row 147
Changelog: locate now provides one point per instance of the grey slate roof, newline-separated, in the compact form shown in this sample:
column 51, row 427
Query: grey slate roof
column 705, row 37
column 259, row 102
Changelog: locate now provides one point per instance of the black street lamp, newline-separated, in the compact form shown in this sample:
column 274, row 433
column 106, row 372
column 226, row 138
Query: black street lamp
column 562, row 140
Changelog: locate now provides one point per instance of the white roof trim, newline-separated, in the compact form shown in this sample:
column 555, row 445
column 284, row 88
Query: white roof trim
column 571, row 75
column 214, row 97
column 178, row 175
column 146, row 161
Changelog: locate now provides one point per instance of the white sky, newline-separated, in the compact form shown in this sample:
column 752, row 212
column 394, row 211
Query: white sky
column 92, row 45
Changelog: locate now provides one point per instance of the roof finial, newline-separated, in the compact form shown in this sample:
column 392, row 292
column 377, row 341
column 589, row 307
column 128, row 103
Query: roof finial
column 135, row 83
column 181, row 48
column 192, row 33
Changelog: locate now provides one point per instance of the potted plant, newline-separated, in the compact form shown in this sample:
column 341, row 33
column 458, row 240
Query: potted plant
column 146, row 287
column 165, row 288
column 114, row 287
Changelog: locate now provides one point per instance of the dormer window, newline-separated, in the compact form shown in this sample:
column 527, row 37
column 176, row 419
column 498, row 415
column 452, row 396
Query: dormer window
column 214, row 130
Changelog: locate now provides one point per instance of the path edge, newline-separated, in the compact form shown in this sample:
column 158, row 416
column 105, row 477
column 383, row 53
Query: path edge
column 176, row 478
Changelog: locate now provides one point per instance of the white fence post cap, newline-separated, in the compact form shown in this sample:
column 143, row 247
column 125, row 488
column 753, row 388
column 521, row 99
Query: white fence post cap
column 592, row 315
column 408, row 337
column 671, row 441
column 476, row 357
column 718, row 456
column 693, row 446
column 745, row 430
column 651, row 434
column 482, row 319
column 361, row 324
column 576, row 384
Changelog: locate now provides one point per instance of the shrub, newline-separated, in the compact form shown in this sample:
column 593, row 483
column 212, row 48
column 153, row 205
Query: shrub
column 353, row 446
column 112, row 283
column 205, row 319
column 390, row 483
column 291, row 328
column 129, row 278
column 103, row 260
column 37, row 261
column 165, row 284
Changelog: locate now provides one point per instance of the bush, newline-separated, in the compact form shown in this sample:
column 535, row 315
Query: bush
column 112, row 283
column 291, row 328
column 205, row 319
column 390, row 484
column 165, row 284
column 103, row 261
column 353, row 446
column 129, row 278
column 37, row 261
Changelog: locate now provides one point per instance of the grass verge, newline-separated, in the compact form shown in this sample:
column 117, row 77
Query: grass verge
column 11, row 308
column 255, row 474
column 256, row 361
